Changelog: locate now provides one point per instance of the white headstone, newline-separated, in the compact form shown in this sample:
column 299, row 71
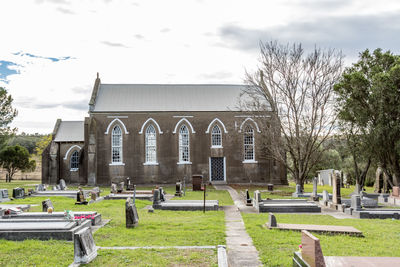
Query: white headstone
column 356, row 202
column 325, row 195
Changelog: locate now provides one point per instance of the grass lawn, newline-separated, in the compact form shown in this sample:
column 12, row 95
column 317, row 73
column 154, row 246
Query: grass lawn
column 276, row 247
column 161, row 228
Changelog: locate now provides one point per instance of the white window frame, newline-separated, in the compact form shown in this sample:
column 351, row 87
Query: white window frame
column 182, row 146
column 71, row 162
column 120, row 146
column 248, row 130
column 215, row 136
column 150, row 132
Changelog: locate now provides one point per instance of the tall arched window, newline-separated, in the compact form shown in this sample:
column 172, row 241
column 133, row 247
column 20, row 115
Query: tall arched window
column 74, row 162
column 184, row 152
column 116, row 140
column 248, row 143
column 151, row 144
column 216, row 136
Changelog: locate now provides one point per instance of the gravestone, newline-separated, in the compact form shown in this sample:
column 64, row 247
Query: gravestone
column 80, row 197
column 197, row 180
column 356, row 202
column 58, row 187
column 113, row 188
column 314, row 194
column 162, row 194
column 4, row 195
column 248, row 199
column 272, row 220
column 336, row 197
column 178, row 189
column 121, row 187
column 85, row 249
column 18, row 193
column 156, row 197
column 325, row 197
column 395, row 191
column 311, row 251
column 93, row 195
column 298, row 189
column 129, row 184
column 131, row 215
column 40, row 187
column 46, row 204
column 63, row 186
column 54, row 188
column 270, row 187
column 2, row 211
column 257, row 199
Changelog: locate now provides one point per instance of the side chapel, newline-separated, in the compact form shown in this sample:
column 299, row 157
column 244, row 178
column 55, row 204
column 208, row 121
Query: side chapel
column 160, row 133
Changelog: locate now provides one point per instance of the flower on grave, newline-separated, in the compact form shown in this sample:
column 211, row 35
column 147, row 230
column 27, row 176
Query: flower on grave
column 300, row 247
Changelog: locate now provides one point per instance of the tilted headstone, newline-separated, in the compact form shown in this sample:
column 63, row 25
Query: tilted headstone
column 85, row 249
column 178, row 189
column 336, row 197
column 272, row 220
column 311, row 251
column 356, row 202
column 248, row 199
column 156, row 197
column 18, row 192
column 113, row 188
column 395, row 191
column 63, row 186
column 46, row 204
column 131, row 215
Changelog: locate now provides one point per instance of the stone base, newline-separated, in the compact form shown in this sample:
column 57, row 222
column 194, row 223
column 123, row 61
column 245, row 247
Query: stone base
column 288, row 206
column 187, row 205
column 125, row 196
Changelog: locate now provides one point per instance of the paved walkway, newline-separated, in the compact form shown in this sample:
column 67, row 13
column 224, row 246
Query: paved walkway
column 240, row 248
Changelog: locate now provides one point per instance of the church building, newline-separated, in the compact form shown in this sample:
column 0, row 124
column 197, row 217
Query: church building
column 160, row 133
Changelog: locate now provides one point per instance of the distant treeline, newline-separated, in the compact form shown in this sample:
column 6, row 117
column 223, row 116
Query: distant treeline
column 28, row 141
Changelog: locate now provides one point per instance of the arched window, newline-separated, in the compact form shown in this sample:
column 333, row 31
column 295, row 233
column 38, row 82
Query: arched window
column 116, row 140
column 151, row 144
column 184, row 152
column 74, row 162
column 216, row 136
column 248, row 143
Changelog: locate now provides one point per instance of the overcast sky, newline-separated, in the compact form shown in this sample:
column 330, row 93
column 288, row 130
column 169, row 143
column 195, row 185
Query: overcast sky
column 50, row 50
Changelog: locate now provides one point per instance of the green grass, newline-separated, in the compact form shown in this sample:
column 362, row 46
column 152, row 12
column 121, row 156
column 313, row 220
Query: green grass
column 276, row 247
column 160, row 257
column 223, row 197
column 161, row 228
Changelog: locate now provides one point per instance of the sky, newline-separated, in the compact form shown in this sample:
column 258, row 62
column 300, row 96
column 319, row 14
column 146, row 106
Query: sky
column 51, row 50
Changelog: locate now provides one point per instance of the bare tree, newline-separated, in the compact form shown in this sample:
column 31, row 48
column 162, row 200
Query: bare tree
column 299, row 91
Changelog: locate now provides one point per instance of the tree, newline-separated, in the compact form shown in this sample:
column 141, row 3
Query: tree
column 15, row 158
column 7, row 114
column 299, row 91
column 42, row 144
column 369, row 100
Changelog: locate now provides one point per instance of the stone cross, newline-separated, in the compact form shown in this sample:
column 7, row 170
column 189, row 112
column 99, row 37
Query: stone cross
column 272, row 220
column 356, row 202
column 85, row 249
column 131, row 215
column 311, row 251
column 336, row 197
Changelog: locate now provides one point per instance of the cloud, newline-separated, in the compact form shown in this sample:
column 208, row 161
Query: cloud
column 139, row 36
column 65, row 11
column 165, row 30
column 7, row 68
column 33, row 103
column 220, row 75
column 64, row 2
column 348, row 33
column 112, row 44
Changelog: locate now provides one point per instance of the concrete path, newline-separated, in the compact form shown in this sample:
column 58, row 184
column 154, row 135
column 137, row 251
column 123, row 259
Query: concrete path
column 240, row 248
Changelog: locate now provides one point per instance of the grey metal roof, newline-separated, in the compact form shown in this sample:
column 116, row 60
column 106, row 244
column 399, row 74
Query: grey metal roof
column 70, row 131
column 167, row 97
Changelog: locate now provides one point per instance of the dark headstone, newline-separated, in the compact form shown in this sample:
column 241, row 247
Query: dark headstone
column 272, row 220
column 80, row 198
column 131, row 215
column 121, row 187
column 162, row 194
column 311, row 250
column 178, row 189
column 85, row 249
column 197, row 180
column 248, row 198
column 46, row 204
column 18, row 193
column 129, row 184
column 270, row 187
column 156, row 197
column 63, row 186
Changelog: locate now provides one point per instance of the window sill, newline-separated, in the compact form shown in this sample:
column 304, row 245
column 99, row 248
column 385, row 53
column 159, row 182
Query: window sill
column 216, row 147
column 184, row 163
column 74, row 170
column 150, row 163
column 117, row 164
column 249, row 161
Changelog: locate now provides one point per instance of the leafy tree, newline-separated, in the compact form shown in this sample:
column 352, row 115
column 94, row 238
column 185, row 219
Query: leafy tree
column 299, row 116
column 42, row 144
column 7, row 114
column 369, row 100
column 14, row 159
column 26, row 140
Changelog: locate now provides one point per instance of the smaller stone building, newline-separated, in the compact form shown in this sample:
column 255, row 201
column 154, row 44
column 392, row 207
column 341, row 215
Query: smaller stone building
column 63, row 158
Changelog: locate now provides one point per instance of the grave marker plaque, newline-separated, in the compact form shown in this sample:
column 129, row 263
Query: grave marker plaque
column 197, row 180
column 311, row 250
column 85, row 249
column 18, row 193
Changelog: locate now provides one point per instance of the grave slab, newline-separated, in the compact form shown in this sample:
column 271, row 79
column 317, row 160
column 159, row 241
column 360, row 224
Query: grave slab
column 288, row 206
column 125, row 196
column 329, row 229
column 187, row 205
column 55, row 193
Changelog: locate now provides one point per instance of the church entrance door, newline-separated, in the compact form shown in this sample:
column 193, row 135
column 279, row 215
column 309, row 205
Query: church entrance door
column 217, row 168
